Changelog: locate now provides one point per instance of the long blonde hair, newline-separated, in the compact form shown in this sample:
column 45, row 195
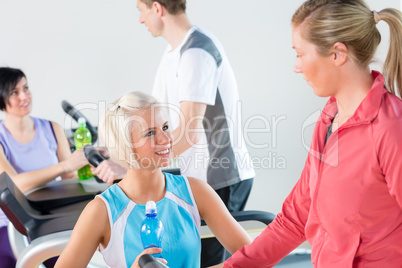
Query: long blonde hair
column 116, row 127
column 351, row 22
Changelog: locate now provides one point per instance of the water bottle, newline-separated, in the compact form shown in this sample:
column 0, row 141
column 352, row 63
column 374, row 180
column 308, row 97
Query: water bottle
column 82, row 136
column 152, row 229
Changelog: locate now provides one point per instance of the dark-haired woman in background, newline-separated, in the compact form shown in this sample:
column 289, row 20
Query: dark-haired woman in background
column 33, row 151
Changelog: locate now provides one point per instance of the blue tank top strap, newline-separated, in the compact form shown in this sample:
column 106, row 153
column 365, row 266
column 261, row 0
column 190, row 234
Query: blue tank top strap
column 180, row 190
column 178, row 186
column 117, row 200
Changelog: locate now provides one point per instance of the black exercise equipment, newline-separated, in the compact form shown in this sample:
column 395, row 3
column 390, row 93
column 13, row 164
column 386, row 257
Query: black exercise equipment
column 147, row 261
column 42, row 217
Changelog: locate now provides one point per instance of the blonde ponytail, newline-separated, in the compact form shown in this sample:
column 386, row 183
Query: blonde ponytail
column 393, row 63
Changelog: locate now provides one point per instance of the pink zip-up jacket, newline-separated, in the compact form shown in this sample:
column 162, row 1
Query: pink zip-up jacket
column 348, row 201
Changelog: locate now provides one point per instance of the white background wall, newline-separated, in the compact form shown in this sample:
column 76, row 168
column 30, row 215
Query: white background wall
column 90, row 52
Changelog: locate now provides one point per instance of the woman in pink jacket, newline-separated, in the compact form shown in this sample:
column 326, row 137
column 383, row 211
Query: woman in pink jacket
column 348, row 201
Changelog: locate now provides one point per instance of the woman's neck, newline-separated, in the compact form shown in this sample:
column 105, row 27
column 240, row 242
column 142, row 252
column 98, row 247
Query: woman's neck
column 19, row 126
column 142, row 185
column 354, row 88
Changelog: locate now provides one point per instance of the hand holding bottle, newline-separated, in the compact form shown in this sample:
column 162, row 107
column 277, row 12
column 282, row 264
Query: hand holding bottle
column 75, row 161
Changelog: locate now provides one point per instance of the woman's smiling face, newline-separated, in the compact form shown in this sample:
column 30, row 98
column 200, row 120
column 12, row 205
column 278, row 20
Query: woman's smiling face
column 20, row 99
column 151, row 138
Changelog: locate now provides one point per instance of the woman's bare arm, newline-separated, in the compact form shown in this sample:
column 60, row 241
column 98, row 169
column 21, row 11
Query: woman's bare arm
column 91, row 229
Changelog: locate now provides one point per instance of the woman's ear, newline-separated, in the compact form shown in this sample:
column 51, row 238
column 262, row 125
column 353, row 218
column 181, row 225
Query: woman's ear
column 339, row 55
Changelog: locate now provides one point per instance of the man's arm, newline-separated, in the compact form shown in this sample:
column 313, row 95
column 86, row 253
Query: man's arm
column 190, row 128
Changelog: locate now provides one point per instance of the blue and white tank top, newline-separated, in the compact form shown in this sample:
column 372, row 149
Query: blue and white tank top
column 37, row 154
column 181, row 243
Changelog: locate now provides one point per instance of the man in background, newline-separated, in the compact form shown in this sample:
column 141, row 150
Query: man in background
column 196, row 81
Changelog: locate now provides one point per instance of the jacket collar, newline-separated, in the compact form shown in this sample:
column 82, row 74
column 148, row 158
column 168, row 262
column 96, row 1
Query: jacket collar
column 368, row 108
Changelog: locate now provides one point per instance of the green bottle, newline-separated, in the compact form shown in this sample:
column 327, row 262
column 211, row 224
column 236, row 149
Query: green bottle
column 82, row 136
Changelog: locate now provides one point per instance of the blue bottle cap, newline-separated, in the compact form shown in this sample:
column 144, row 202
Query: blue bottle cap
column 150, row 207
